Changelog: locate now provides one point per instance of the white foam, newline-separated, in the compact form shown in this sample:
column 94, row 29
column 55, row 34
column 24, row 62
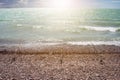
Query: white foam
column 111, row 29
column 19, row 25
column 41, row 44
column 37, row 26
column 116, row 43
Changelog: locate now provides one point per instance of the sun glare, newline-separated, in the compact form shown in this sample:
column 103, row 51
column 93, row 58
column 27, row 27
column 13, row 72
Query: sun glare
column 61, row 4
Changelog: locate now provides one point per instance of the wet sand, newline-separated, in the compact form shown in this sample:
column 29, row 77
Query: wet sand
column 60, row 63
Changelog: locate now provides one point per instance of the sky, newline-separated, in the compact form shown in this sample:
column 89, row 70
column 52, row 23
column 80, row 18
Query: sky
column 47, row 3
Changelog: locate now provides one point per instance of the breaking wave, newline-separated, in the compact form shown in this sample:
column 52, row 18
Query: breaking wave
column 111, row 29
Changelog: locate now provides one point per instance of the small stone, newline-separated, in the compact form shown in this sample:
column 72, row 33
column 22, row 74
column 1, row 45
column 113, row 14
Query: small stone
column 101, row 62
column 13, row 59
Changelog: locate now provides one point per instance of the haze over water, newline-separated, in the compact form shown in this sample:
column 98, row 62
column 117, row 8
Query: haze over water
column 47, row 24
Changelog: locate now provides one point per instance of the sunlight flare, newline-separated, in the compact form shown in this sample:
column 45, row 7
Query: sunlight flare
column 61, row 4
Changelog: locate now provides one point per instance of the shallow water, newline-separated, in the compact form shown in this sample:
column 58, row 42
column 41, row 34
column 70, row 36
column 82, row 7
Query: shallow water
column 40, row 24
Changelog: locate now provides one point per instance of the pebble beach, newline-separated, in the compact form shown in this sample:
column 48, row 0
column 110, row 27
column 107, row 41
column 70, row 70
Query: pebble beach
column 61, row 62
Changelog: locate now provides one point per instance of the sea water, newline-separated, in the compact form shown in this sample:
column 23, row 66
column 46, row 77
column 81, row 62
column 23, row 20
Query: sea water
column 68, row 25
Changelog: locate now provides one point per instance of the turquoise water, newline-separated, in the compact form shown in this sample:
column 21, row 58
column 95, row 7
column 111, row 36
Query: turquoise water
column 39, row 24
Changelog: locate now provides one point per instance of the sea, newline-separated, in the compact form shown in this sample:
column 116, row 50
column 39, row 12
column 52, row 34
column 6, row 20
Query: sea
column 72, row 26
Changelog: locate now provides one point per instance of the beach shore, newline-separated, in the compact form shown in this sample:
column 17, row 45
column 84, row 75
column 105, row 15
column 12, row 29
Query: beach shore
column 60, row 62
column 56, row 48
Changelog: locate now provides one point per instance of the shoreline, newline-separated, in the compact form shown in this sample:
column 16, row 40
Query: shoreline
column 58, row 48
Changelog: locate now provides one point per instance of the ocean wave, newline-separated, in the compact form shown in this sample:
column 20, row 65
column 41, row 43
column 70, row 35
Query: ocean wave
column 74, row 29
column 111, row 29
column 84, row 43
column 116, row 43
